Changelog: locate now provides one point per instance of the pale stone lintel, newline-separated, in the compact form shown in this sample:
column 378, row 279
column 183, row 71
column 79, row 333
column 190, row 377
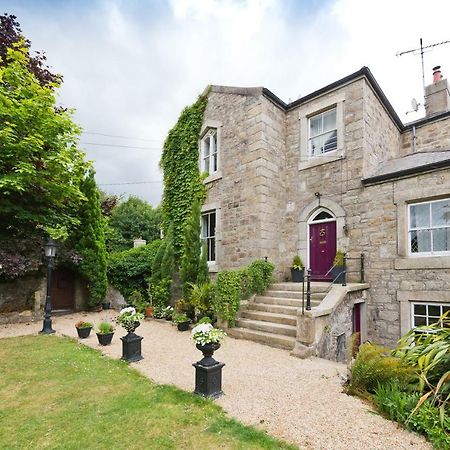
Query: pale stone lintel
column 424, row 262
column 321, row 160
column 213, row 267
column 213, row 177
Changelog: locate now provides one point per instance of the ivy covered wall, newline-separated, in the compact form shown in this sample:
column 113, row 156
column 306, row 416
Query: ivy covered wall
column 182, row 179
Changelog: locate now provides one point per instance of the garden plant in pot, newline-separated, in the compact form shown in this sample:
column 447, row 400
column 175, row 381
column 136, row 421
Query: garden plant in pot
column 182, row 321
column 168, row 312
column 83, row 329
column 337, row 270
column 208, row 371
column 297, row 269
column 130, row 319
column 105, row 333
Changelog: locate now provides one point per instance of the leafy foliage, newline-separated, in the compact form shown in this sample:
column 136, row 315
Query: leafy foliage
column 159, row 292
column 168, row 260
column 131, row 219
column 339, row 259
column 129, row 270
column 105, row 328
column 89, row 241
column 182, row 180
column 373, row 366
column 233, row 286
column 137, row 300
column 10, row 34
column 297, row 262
column 201, row 298
column 40, row 166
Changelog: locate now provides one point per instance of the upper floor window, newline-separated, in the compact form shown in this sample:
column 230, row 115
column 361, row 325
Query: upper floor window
column 209, row 234
column 322, row 133
column 427, row 313
column 209, row 151
column 429, row 227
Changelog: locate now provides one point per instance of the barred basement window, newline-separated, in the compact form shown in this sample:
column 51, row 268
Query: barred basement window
column 209, row 151
column 209, row 234
column 427, row 313
column 429, row 227
column 322, row 133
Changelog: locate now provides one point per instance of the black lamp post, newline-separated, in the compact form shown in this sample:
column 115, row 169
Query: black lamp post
column 50, row 253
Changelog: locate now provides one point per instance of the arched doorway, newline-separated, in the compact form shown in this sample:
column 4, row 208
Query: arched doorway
column 322, row 244
column 63, row 289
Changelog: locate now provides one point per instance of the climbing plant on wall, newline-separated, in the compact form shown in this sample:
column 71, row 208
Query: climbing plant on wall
column 182, row 179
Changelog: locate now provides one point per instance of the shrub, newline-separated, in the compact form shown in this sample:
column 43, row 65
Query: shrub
column 260, row 274
column 105, row 328
column 137, row 300
column 373, row 366
column 128, row 270
column 201, row 297
column 159, row 293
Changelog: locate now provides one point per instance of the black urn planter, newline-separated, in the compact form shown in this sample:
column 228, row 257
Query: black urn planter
column 105, row 338
column 208, row 373
column 84, row 333
column 183, row 326
column 337, row 274
column 297, row 275
column 131, row 344
column 106, row 305
column 168, row 317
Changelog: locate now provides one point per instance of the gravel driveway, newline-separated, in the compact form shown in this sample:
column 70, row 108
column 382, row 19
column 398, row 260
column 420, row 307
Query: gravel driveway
column 298, row 400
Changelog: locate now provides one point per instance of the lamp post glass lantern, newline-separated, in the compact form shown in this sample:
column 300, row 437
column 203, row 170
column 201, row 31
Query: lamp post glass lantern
column 50, row 253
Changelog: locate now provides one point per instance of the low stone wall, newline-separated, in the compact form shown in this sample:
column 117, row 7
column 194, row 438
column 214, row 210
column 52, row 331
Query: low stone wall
column 20, row 294
column 26, row 316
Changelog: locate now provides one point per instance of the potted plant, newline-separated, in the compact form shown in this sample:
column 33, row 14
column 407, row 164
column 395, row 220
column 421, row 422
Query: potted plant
column 149, row 309
column 105, row 333
column 168, row 312
column 182, row 321
column 130, row 319
column 337, row 271
column 83, row 329
column 207, row 340
column 158, row 312
column 297, row 269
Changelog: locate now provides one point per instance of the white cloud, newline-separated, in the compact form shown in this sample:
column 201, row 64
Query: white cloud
column 130, row 67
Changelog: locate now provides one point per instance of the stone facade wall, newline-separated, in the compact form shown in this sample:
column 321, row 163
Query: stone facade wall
column 268, row 186
column 19, row 295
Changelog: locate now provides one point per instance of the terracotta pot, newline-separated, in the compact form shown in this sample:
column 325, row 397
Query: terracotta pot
column 149, row 311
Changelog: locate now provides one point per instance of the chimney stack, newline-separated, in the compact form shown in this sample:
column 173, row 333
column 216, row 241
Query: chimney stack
column 437, row 96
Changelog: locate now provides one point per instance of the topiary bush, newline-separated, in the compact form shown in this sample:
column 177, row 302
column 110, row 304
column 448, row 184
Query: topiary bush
column 129, row 270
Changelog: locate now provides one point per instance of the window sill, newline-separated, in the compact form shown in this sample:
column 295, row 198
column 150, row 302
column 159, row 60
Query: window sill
column 213, row 177
column 213, row 267
column 424, row 262
column 321, row 160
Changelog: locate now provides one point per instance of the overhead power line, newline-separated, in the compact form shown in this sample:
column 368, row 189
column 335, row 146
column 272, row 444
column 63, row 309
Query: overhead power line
column 129, row 182
column 121, row 146
column 121, row 137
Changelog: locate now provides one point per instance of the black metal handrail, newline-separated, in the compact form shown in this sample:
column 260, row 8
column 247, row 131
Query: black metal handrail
column 343, row 272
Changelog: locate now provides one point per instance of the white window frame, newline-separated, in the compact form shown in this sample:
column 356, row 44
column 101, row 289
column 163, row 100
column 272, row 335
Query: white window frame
column 430, row 227
column 206, row 237
column 427, row 316
column 310, row 137
column 212, row 135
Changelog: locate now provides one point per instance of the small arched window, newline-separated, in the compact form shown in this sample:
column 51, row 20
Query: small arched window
column 322, row 215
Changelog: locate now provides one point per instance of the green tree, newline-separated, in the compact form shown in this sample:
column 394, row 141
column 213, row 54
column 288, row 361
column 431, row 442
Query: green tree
column 89, row 241
column 133, row 218
column 190, row 261
column 41, row 167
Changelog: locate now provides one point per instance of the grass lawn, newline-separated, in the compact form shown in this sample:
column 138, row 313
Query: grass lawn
column 58, row 394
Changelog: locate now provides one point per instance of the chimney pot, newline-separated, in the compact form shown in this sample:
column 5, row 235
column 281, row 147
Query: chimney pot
column 437, row 75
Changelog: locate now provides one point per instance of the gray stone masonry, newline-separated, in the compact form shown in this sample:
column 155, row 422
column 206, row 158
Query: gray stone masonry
column 265, row 193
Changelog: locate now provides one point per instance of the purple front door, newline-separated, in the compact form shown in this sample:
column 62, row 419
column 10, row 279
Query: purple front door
column 322, row 249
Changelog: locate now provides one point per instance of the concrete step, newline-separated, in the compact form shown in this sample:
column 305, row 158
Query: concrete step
column 283, row 301
column 293, row 294
column 316, row 286
column 273, row 340
column 268, row 327
column 262, row 316
column 276, row 309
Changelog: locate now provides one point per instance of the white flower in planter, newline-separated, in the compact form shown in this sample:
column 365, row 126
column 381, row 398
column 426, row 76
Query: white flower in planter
column 205, row 333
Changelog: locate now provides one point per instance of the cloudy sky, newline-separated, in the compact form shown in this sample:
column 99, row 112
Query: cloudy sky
column 130, row 66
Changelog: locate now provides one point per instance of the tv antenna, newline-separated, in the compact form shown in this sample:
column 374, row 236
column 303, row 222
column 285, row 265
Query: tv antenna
column 414, row 105
column 421, row 49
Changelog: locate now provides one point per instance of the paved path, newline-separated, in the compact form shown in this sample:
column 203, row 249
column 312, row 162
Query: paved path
column 297, row 400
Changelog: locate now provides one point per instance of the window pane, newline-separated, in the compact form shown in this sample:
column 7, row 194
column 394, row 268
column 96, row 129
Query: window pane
column 315, row 126
column 329, row 120
column 212, row 224
column 206, row 164
column 419, row 321
column 316, row 146
column 419, row 216
column 206, row 146
column 214, row 162
column 445, row 309
column 432, row 320
column 441, row 239
column 330, row 141
column 440, row 213
column 323, row 216
column 434, row 310
column 212, row 242
column 204, row 226
column 420, row 241
column 420, row 309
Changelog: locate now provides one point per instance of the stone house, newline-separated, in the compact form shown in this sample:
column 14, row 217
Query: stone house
column 335, row 169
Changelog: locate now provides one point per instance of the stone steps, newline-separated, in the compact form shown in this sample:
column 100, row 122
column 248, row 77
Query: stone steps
column 273, row 340
column 316, row 286
column 262, row 316
column 276, row 309
column 293, row 294
column 282, row 301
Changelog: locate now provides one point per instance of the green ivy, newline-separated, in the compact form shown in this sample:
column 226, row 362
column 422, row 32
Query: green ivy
column 233, row 286
column 182, row 179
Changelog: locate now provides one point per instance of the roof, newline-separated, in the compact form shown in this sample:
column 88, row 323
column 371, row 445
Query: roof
column 410, row 165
